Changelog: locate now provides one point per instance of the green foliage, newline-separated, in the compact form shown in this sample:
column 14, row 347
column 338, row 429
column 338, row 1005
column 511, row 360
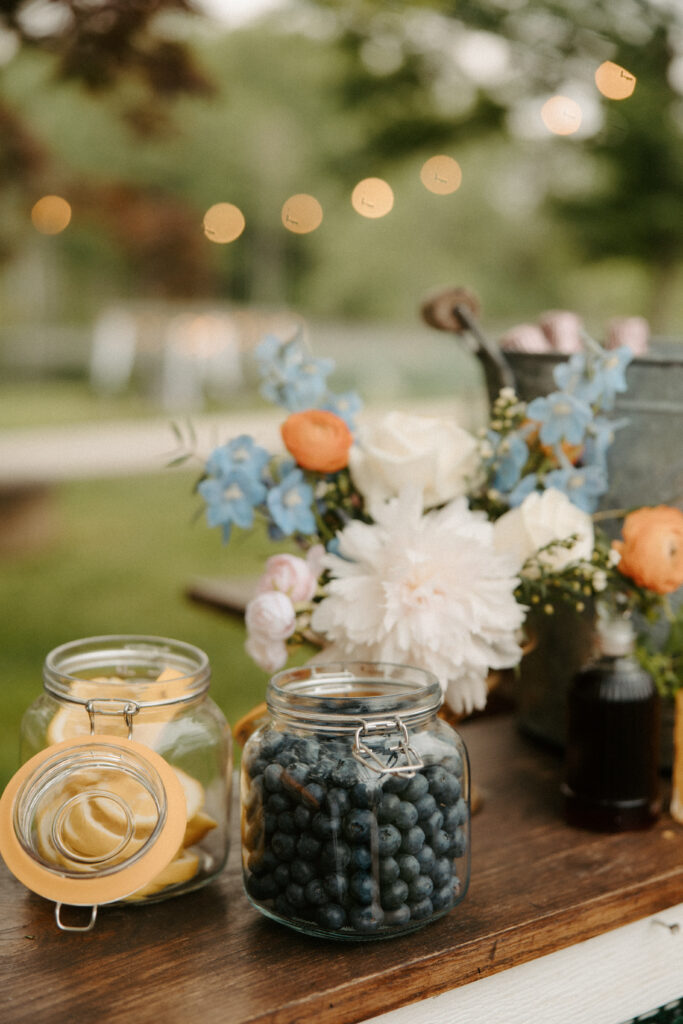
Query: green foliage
column 664, row 659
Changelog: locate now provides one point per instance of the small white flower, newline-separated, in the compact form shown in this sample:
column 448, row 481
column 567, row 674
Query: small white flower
column 270, row 616
column 290, row 575
column 599, row 580
column 270, row 655
column 427, row 590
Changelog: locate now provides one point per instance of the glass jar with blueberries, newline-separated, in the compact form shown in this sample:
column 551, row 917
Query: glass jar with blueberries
column 355, row 802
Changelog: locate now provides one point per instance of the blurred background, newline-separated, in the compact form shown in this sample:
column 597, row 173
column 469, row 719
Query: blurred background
column 151, row 156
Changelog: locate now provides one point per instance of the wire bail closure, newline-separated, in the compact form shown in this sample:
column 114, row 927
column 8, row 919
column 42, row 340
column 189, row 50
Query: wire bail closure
column 367, row 757
column 127, row 708
column 75, row 927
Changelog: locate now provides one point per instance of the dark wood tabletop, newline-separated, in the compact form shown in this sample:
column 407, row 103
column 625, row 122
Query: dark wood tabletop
column 537, row 886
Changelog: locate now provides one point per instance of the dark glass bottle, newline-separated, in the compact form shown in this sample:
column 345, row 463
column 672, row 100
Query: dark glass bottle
column 611, row 780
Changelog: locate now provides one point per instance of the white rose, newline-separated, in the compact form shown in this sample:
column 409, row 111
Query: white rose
column 270, row 616
column 539, row 520
column 424, row 452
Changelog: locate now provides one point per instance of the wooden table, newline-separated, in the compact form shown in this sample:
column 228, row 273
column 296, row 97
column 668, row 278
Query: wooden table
column 537, row 886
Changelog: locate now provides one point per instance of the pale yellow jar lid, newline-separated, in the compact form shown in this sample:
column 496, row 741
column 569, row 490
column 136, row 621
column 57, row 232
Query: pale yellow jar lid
column 91, row 820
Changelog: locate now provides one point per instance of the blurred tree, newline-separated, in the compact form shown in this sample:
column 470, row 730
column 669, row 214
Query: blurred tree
column 437, row 72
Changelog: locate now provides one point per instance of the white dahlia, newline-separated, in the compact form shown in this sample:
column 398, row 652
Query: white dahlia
column 427, row 590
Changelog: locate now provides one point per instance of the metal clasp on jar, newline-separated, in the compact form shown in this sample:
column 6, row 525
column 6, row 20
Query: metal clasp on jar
column 363, row 753
column 112, row 706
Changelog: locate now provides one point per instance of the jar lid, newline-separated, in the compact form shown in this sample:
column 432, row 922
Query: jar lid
column 91, row 820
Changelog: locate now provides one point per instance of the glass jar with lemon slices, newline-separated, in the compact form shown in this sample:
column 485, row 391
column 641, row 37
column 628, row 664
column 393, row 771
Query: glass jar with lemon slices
column 124, row 790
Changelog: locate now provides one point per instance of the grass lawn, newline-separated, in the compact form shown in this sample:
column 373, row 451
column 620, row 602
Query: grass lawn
column 123, row 553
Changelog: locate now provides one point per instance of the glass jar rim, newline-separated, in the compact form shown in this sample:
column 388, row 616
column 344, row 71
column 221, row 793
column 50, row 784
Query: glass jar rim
column 126, row 655
column 337, row 696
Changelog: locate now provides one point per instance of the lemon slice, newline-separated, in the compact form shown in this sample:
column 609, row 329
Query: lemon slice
column 182, row 868
column 197, row 827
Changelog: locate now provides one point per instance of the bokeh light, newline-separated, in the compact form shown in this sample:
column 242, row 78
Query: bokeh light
column 223, row 223
column 441, row 175
column 561, row 115
column 302, row 213
column 614, row 82
column 372, row 197
column 51, row 214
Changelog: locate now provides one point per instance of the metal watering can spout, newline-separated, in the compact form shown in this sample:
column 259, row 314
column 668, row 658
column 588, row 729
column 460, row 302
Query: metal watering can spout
column 456, row 310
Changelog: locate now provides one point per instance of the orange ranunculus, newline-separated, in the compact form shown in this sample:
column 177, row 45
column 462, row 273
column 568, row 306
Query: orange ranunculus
column 652, row 548
column 318, row 440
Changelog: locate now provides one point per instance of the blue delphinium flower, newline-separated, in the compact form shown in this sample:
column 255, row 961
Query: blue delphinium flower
column 240, row 453
column 583, row 485
column 599, row 437
column 344, row 405
column 509, row 459
column 576, row 377
column 610, row 375
column 562, row 417
column 289, row 504
column 231, row 498
column 290, row 376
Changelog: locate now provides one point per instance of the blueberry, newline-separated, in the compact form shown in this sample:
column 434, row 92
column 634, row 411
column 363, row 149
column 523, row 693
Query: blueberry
column 335, row 856
column 441, row 842
column 312, row 795
column 394, row 783
column 420, row 887
column 361, row 857
column 302, row 817
column 388, row 807
column 389, row 870
column 421, row 909
column 315, row 892
column 307, row 750
column 262, row 863
column 321, row 771
column 331, row 916
column 307, row 846
column 389, row 840
column 282, row 876
column 426, row 859
column 295, row 894
column 455, row 815
column 345, row 773
column 453, row 764
column 366, row 794
column 412, row 840
column 263, row 888
column 336, row 887
column 366, row 918
column 283, row 907
column 337, row 802
column 270, row 823
column 324, row 826
column 417, row 787
column 443, row 785
column 433, row 823
column 358, row 825
column 406, row 815
column 409, row 866
column 425, row 806
column 443, row 897
column 272, row 778
column 394, row 895
column 286, row 823
column 442, row 872
column 283, row 846
column 256, row 766
column 458, row 845
column 294, row 778
column 271, row 742
column 362, row 887
column 285, row 757
column 301, row 871
column 397, row 918
column 278, row 802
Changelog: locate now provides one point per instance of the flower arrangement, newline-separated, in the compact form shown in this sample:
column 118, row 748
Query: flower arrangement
column 422, row 544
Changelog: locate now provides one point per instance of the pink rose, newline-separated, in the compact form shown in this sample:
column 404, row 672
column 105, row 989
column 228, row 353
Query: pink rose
column 631, row 331
column 270, row 616
column 270, row 655
column 288, row 575
column 562, row 328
